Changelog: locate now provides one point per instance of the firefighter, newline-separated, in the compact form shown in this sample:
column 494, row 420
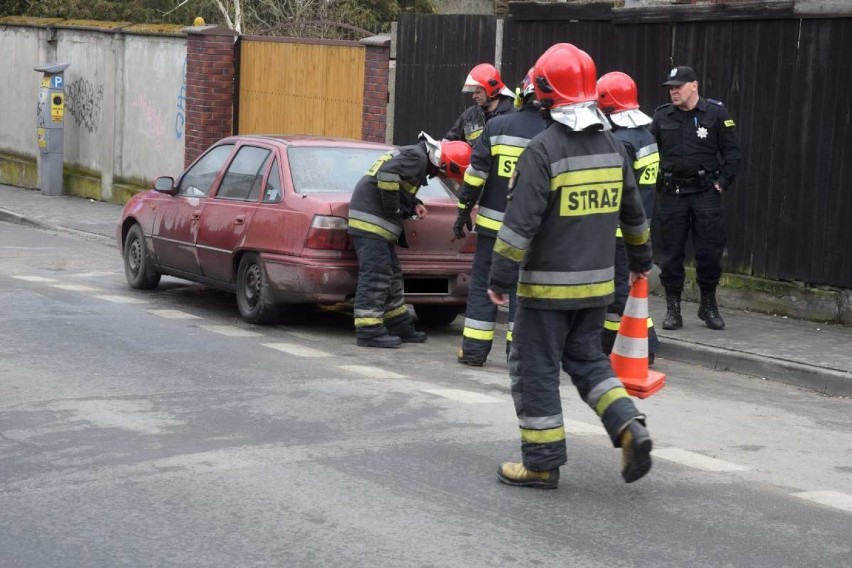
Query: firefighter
column 492, row 99
column 618, row 100
column 699, row 157
column 381, row 201
column 571, row 188
column 487, row 181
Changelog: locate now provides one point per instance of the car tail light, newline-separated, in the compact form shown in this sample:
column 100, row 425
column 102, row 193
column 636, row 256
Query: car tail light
column 328, row 233
column 469, row 246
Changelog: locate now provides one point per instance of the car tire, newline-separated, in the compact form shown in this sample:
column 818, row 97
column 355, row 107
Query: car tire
column 138, row 268
column 253, row 295
column 436, row 315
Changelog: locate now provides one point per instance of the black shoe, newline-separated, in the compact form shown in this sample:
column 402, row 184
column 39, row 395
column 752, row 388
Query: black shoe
column 651, row 358
column 673, row 318
column 387, row 340
column 513, row 473
column 636, row 447
column 466, row 360
column 414, row 337
column 708, row 312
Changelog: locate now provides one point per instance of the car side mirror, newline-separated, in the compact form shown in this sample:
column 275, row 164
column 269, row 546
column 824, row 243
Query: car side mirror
column 165, row 184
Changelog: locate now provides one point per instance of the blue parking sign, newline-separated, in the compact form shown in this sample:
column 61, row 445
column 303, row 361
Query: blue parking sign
column 56, row 82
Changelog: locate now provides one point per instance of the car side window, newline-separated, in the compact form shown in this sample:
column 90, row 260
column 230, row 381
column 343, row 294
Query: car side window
column 272, row 193
column 244, row 175
column 198, row 179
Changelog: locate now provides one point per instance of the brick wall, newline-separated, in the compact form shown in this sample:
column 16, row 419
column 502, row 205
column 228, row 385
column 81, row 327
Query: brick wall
column 209, row 88
column 376, row 67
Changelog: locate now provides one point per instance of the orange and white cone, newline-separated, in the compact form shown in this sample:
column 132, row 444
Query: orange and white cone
column 629, row 356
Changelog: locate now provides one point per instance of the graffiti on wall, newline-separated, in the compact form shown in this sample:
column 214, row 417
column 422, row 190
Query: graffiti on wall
column 83, row 101
column 180, row 119
column 155, row 126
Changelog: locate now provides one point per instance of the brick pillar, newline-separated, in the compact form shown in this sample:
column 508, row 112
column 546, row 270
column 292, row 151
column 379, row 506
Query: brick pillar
column 209, row 88
column 376, row 66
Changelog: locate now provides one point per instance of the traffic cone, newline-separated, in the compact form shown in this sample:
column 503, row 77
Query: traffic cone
column 629, row 356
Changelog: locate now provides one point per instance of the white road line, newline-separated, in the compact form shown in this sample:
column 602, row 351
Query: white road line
column 464, row 396
column 94, row 274
column 35, row 278
column 172, row 314
column 842, row 501
column 230, row 331
column 577, row 428
column 74, row 287
column 372, row 372
column 122, row 299
column 696, row 460
column 297, row 350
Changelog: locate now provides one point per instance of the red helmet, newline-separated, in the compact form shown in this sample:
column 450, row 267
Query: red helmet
column 486, row 76
column 453, row 159
column 528, row 84
column 617, row 93
column 565, row 75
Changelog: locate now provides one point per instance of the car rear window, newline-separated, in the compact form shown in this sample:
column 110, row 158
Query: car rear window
column 317, row 169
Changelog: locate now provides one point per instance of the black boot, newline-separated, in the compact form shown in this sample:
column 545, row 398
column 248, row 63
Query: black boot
column 709, row 311
column 673, row 318
column 386, row 341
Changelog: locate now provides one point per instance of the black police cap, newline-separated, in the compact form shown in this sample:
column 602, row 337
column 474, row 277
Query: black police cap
column 680, row 75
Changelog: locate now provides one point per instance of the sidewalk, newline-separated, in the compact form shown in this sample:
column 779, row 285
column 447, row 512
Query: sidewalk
column 807, row 354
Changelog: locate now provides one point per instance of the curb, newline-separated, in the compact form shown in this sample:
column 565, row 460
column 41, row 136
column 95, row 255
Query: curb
column 18, row 219
column 823, row 380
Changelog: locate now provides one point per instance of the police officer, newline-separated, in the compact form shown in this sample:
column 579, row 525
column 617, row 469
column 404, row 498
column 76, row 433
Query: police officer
column 617, row 98
column 572, row 187
column 700, row 157
column 383, row 198
column 487, row 181
column 491, row 98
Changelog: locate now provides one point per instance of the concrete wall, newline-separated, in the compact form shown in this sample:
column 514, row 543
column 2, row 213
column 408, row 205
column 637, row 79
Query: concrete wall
column 125, row 114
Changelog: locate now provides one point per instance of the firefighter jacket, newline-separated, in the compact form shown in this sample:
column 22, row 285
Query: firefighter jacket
column 642, row 150
column 492, row 163
column 468, row 126
column 570, row 191
column 387, row 193
column 697, row 147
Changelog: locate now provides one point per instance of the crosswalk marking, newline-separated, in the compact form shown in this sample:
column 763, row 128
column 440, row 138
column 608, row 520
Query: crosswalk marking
column 297, row 350
column 463, row 396
column 74, row 287
column 35, row 278
column 842, row 501
column 577, row 428
column 696, row 460
column 230, row 331
column 172, row 314
column 122, row 299
column 372, row 372
column 94, row 274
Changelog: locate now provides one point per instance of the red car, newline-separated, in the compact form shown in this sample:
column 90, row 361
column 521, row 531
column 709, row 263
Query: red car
column 266, row 218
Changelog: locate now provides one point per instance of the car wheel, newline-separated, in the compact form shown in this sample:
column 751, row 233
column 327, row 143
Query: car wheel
column 435, row 315
column 138, row 268
column 253, row 291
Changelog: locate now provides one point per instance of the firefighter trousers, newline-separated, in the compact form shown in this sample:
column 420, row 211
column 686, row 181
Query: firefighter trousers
column 480, row 318
column 545, row 340
column 701, row 215
column 379, row 301
column 616, row 309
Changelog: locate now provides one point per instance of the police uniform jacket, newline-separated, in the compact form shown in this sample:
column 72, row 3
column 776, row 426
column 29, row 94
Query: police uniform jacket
column 492, row 163
column 468, row 126
column 697, row 147
column 570, row 192
column 645, row 159
column 387, row 193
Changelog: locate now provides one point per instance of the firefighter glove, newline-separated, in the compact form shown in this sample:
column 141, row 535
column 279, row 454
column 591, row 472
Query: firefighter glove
column 462, row 220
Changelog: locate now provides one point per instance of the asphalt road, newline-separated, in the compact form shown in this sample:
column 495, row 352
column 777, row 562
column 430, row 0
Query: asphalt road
column 157, row 429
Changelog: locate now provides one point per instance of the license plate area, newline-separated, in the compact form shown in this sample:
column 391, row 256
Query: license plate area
column 426, row 286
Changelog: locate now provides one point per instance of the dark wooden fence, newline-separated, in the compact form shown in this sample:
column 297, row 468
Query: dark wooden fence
column 785, row 79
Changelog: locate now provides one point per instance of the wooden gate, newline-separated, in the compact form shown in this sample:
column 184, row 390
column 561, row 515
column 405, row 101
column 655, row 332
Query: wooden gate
column 298, row 86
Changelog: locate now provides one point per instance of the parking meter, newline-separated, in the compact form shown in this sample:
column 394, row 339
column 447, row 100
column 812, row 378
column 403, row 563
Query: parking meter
column 50, row 127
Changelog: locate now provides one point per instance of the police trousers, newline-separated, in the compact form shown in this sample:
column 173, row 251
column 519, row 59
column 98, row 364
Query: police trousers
column 379, row 300
column 702, row 216
column 546, row 340
column 480, row 318
column 616, row 309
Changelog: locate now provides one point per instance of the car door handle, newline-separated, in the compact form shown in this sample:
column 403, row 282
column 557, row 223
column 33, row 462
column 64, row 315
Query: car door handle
column 239, row 219
column 195, row 214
